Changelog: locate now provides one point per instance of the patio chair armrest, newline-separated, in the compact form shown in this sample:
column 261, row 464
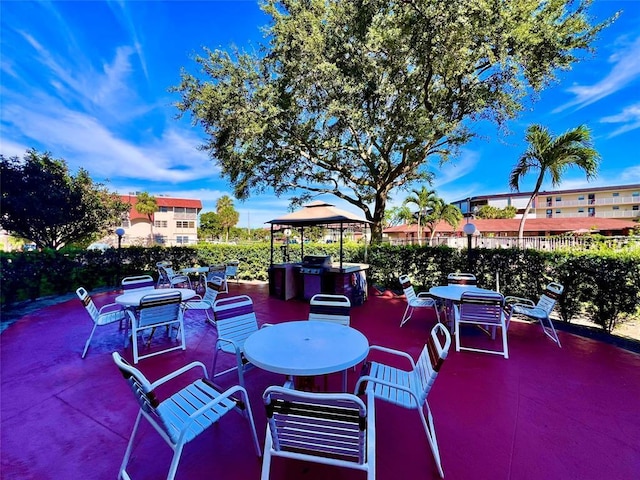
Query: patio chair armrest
column 179, row 372
column 367, row 378
column 231, row 342
column 391, row 351
column 228, row 393
column 110, row 307
column 426, row 295
column 519, row 300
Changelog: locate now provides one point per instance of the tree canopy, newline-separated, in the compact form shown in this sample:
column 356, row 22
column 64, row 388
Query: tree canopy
column 43, row 202
column 147, row 205
column 354, row 98
column 489, row 211
column 551, row 155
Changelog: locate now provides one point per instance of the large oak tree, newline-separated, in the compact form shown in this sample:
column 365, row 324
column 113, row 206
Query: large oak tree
column 355, row 98
column 43, row 202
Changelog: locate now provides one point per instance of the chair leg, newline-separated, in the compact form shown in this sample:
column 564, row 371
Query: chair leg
column 123, row 468
column 431, row 436
column 266, row 458
column 177, row 452
column 550, row 330
column 457, row 334
column 252, row 426
column 505, row 346
column 86, row 346
column 406, row 316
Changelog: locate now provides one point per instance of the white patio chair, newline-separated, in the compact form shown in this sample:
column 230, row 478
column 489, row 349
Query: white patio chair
column 168, row 278
column 232, row 269
column 330, row 308
column 159, row 308
column 421, row 300
column 206, row 301
column 138, row 283
column 108, row 314
column 484, row 310
column 183, row 415
column 235, row 321
column 540, row 311
column 328, row 428
column 409, row 388
column 461, row 279
column 219, row 271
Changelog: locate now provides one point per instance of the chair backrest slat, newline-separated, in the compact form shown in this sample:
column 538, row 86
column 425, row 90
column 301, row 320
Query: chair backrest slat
column 551, row 294
column 157, row 308
column 461, row 279
column 432, row 357
column 330, row 308
column 88, row 304
column 235, row 318
column 481, row 307
column 139, row 282
column 407, row 287
column 332, row 425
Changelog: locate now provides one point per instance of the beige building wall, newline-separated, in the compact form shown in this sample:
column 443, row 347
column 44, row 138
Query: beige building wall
column 617, row 202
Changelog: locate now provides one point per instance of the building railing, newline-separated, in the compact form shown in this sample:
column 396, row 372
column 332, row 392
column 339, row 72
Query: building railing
column 597, row 214
column 631, row 200
column 185, row 216
column 538, row 243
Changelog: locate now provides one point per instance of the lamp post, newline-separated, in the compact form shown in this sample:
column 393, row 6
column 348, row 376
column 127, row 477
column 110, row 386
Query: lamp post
column 120, row 234
column 469, row 229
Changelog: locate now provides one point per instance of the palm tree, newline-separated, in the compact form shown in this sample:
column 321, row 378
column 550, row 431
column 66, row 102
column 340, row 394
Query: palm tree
column 422, row 199
column 441, row 211
column 545, row 153
column 227, row 214
column 147, row 205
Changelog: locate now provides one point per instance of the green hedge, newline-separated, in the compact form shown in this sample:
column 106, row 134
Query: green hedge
column 604, row 285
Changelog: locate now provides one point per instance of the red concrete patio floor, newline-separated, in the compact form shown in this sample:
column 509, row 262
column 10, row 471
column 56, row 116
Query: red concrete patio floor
column 545, row 413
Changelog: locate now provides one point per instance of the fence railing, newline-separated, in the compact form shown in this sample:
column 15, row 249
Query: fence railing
column 538, row 243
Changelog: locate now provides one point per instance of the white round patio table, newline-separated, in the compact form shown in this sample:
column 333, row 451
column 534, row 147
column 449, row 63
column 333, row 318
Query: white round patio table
column 307, row 348
column 454, row 292
column 132, row 299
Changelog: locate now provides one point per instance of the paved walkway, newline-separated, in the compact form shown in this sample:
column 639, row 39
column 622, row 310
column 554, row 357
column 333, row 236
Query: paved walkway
column 546, row 413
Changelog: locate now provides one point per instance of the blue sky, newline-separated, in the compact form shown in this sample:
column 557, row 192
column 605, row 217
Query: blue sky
column 88, row 81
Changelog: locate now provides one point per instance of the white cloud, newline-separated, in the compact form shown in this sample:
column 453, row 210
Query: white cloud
column 630, row 117
column 625, row 70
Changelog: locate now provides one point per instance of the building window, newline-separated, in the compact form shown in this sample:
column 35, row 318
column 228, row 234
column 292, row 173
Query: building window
column 163, row 209
column 580, row 197
column 549, row 201
column 581, row 210
column 591, row 212
column 592, row 198
column 615, row 207
column 160, row 224
column 616, row 194
column 558, row 211
column 185, row 224
column 549, row 213
column 182, row 240
column 635, row 207
column 635, row 194
column 558, row 199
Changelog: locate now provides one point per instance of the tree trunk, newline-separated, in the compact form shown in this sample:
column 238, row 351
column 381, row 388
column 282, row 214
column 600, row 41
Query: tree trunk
column 377, row 218
column 524, row 219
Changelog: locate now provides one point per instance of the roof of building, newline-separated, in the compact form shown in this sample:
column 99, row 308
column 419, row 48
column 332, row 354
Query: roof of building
column 571, row 224
column 162, row 201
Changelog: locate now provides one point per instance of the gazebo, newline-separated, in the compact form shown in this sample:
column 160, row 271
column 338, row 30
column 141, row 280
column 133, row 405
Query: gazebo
column 317, row 274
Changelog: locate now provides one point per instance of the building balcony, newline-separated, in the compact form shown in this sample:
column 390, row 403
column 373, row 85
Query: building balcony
column 630, row 200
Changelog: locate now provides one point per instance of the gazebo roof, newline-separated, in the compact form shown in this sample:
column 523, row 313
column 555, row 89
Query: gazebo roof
column 318, row 213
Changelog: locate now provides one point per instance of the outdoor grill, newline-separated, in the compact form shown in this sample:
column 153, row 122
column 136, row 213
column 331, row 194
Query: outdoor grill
column 315, row 264
column 313, row 269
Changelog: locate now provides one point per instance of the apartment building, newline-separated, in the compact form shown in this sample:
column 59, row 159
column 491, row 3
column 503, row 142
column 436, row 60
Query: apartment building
column 620, row 201
column 174, row 223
